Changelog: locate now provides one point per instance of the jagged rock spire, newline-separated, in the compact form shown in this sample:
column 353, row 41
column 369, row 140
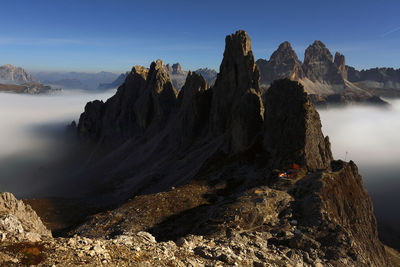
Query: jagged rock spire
column 340, row 62
column 236, row 105
column 292, row 128
column 146, row 96
column 194, row 107
column 158, row 98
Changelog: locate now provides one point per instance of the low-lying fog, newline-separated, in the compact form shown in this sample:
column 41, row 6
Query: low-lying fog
column 32, row 141
column 370, row 137
column 31, row 147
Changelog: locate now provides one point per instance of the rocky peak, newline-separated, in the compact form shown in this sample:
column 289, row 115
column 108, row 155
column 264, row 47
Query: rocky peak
column 146, row 96
column 283, row 63
column 158, row 97
column 284, row 51
column 293, row 128
column 195, row 83
column 340, row 62
column 194, row 102
column 236, row 104
column 319, row 66
column 15, row 74
column 175, row 69
column 317, row 52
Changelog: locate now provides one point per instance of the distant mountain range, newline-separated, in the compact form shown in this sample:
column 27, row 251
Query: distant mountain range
column 76, row 80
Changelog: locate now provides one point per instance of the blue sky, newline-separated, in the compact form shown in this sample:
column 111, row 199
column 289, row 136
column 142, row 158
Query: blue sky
column 88, row 35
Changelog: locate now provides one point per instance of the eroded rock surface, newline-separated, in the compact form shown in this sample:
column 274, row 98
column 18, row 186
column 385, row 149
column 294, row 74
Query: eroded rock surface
column 293, row 128
column 282, row 64
column 19, row 222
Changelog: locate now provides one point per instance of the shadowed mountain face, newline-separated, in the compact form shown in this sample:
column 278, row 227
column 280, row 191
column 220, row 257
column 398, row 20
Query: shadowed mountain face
column 236, row 164
column 176, row 73
column 282, row 64
column 326, row 79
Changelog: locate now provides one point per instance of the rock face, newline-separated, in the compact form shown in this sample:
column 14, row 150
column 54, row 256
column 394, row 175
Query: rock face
column 15, row 74
column 340, row 63
column 176, row 74
column 194, row 103
column 146, row 98
column 236, row 105
column 379, row 81
column 296, row 139
column 19, row 222
column 319, row 66
column 222, row 165
column 282, row 64
column 174, row 69
column 321, row 77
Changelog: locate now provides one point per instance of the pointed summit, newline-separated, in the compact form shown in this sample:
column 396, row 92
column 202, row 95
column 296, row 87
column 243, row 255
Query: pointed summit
column 283, row 63
column 236, row 104
column 319, row 66
column 340, row 62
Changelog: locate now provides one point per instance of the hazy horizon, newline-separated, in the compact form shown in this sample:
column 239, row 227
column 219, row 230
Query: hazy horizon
column 114, row 37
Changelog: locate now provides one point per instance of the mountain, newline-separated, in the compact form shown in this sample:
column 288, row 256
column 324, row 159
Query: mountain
column 32, row 88
column 209, row 75
column 213, row 168
column 380, row 81
column 9, row 73
column 282, row 64
column 115, row 84
column 76, row 80
column 321, row 75
column 175, row 69
column 178, row 75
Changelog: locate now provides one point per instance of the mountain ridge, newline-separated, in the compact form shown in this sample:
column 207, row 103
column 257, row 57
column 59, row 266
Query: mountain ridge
column 323, row 76
column 235, row 145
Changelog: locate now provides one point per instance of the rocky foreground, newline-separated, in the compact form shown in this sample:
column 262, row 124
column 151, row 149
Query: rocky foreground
column 31, row 88
column 209, row 176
